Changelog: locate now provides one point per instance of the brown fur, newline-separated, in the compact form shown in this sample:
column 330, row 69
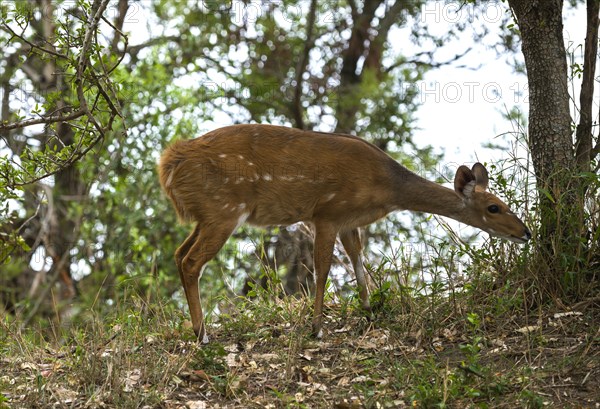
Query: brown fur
column 271, row 175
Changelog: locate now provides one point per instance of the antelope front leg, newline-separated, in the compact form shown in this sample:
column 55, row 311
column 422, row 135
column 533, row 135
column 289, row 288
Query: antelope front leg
column 323, row 253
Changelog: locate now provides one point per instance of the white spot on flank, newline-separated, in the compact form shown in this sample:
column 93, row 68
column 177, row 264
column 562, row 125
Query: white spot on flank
column 329, row 197
column 242, row 206
column 226, row 180
column 267, row 177
column 226, row 206
column 222, row 156
column 256, row 134
column 250, row 164
column 240, row 157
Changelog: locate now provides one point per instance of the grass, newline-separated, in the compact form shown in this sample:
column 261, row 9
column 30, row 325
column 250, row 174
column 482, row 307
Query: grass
column 464, row 350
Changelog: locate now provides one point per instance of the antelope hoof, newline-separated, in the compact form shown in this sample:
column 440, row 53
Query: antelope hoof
column 317, row 331
column 201, row 335
column 369, row 313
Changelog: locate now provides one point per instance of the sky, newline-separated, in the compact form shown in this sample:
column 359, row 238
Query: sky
column 462, row 107
column 462, row 103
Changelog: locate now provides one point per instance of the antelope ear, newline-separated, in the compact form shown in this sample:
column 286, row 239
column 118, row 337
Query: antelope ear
column 481, row 175
column 464, row 181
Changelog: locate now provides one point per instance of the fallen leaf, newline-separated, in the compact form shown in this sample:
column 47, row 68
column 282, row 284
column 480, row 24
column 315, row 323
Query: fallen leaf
column 367, row 344
column 360, row 378
column 201, row 374
column 65, row 395
column 344, row 381
column 249, row 345
column 497, row 342
column 232, row 348
column 324, row 371
column 299, row 397
column 231, row 360
column 266, row 357
column 29, row 365
column 567, row 314
column 528, row 329
column 196, row 404
column 449, row 334
column 131, row 380
column 306, row 357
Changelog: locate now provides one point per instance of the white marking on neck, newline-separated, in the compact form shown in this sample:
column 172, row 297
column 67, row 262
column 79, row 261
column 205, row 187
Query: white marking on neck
column 169, row 179
column 243, row 217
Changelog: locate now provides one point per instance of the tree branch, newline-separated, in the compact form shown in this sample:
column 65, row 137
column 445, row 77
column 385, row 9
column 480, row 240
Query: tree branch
column 42, row 120
column 583, row 137
column 118, row 25
column 428, row 64
column 297, row 110
column 99, row 6
column 32, row 45
column 133, row 50
column 85, row 144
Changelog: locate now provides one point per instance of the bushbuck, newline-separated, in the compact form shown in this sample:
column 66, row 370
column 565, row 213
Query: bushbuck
column 272, row 175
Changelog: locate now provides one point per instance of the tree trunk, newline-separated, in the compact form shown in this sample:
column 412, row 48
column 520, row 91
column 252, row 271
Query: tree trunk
column 585, row 152
column 550, row 136
column 348, row 102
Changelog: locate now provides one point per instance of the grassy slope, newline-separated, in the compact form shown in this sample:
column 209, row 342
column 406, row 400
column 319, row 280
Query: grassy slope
column 416, row 353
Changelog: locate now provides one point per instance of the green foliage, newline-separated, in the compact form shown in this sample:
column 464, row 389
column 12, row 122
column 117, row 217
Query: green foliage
column 187, row 79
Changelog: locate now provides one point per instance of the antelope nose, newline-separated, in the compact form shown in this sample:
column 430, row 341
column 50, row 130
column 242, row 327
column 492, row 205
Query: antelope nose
column 527, row 235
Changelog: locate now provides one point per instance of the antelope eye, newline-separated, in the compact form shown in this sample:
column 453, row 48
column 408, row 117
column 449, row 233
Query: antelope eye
column 493, row 209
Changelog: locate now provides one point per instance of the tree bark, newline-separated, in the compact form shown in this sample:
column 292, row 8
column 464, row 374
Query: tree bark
column 584, row 129
column 350, row 76
column 550, row 137
column 550, row 121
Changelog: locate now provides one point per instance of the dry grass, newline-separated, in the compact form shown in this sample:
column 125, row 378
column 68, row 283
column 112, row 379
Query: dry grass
column 414, row 354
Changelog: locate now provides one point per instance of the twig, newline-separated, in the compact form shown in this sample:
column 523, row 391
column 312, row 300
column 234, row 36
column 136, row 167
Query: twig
column 43, row 120
column 32, row 45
